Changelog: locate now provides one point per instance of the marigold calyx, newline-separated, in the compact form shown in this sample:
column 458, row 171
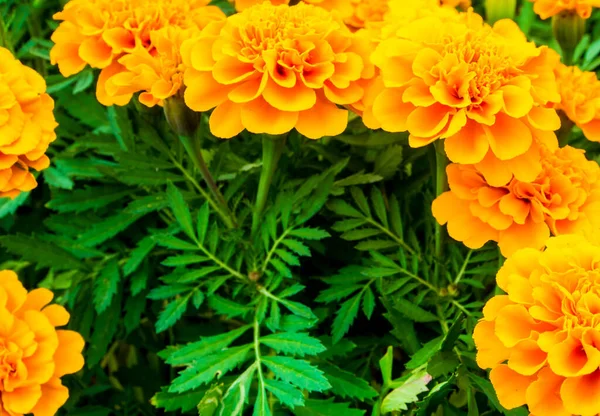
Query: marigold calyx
column 182, row 120
column 499, row 9
column 568, row 28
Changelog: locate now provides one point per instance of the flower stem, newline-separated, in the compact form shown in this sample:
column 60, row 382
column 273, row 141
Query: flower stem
column 564, row 133
column 272, row 147
column 441, row 185
column 193, row 149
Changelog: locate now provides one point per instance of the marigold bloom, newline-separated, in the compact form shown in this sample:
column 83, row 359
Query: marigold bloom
column 580, row 98
column 463, row 4
column 482, row 89
column 563, row 199
column 101, row 32
column 34, row 355
column 26, row 125
column 541, row 338
column 272, row 68
column 549, row 8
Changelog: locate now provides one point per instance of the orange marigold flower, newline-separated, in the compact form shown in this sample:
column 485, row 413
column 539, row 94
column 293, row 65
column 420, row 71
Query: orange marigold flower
column 272, row 68
column 463, row 4
column 26, row 125
column 563, row 199
column 549, row 8
column 101, row 32
column 34, row 355
column 580, row 98
column 482, row 89
column 541, row 338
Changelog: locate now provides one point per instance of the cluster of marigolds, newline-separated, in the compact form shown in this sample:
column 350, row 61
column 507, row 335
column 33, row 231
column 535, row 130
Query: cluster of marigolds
column 485, row 96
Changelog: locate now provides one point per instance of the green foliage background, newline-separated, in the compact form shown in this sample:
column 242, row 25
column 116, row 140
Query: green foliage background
column 332, row 308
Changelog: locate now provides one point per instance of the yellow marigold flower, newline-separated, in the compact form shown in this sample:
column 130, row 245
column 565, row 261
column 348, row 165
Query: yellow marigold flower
column 549, row 8
column 272, row 68
column 34, row 355
column 26, row 125
column 541, row 339
column 580, row 98
column 563, row 199
column 101, row 32
column 157, row 73
column 482, row 89
column 463, row 4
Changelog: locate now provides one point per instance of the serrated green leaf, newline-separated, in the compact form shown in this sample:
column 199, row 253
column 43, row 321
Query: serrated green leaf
column 379, row 206
column 172, row 313
column 425, row 353
column 211, row 400
column 413, row 312
column 180, row 210
column 202, row 222
column 346, row 384
column 205, row 347
column 285, row 393
column 347, row 225
column 375, row 245
column 345, row 316
column 281, row 268
column 237, row 394
column 442, row 363
column 314, row 407
column 144, row 247
column 166, row 292
column 368, row 303
column 107, row 229
column 297, row 247
column 342, row 208
column 106, row 285
column 211, row 367
column 359, row 178
column 309, row 233
column 386, row 365
column 134, row 307
column 288, row 257
column 227, row 307
column 297, row 372
column 56, row 178
column 361, row 200
column 261, row 405
column 175, row 243
column 388, row 161
column 197, row 299
column 177, row 401
column 42, row 253
column 337, row 292
column 294, row 343
column 184, row 260
column 407, row 393
column 361, row 234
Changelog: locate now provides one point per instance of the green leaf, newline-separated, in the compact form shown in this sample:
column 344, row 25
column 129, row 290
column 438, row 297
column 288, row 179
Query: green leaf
column 346, row 384
column 344, row 209
column 181, row 210
column 202, row 222
column 172, row 313
column 40, row 252
column 197, row 298
column 425, row 353
column 183, row 260
column 261, row 405
column 359, row 178
column 105, row 327
column 227, row 307
column 288, row 257
column 368, row 245
column 388, row 161
column 407, row 393
column 379, row 205
column 211, row 400
column 56, row 178
column 348, row 225
column 386, row 365
column 236, row 395
column 144, row 247
column 107, row 229
column 413, row 312
column 314, row 407
column 134, row 307
column 294, row 343
column 177, row 401
column 345, row 316
column 166, row 292
column 174, row 243
column 211, row 367
column 309, row 233
column 361, row 200
column 106, row 285
column 297, row 247
column 297, row 372
column 442, row 363
column 281, row 268
column 285, row 393
column 207, row 346
column 361, row 234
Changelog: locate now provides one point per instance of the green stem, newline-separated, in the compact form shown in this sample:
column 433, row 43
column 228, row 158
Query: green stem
column 441, row 185
column 5, row 36
column 272, row 147
column 193, row 149
column 566, row 126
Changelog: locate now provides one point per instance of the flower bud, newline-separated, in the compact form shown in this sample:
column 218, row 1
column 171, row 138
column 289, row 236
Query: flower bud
column 499, row 9
column 568, row 28
column 180, row 117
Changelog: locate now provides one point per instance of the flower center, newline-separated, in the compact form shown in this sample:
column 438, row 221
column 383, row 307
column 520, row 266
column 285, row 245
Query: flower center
column 11, row 366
